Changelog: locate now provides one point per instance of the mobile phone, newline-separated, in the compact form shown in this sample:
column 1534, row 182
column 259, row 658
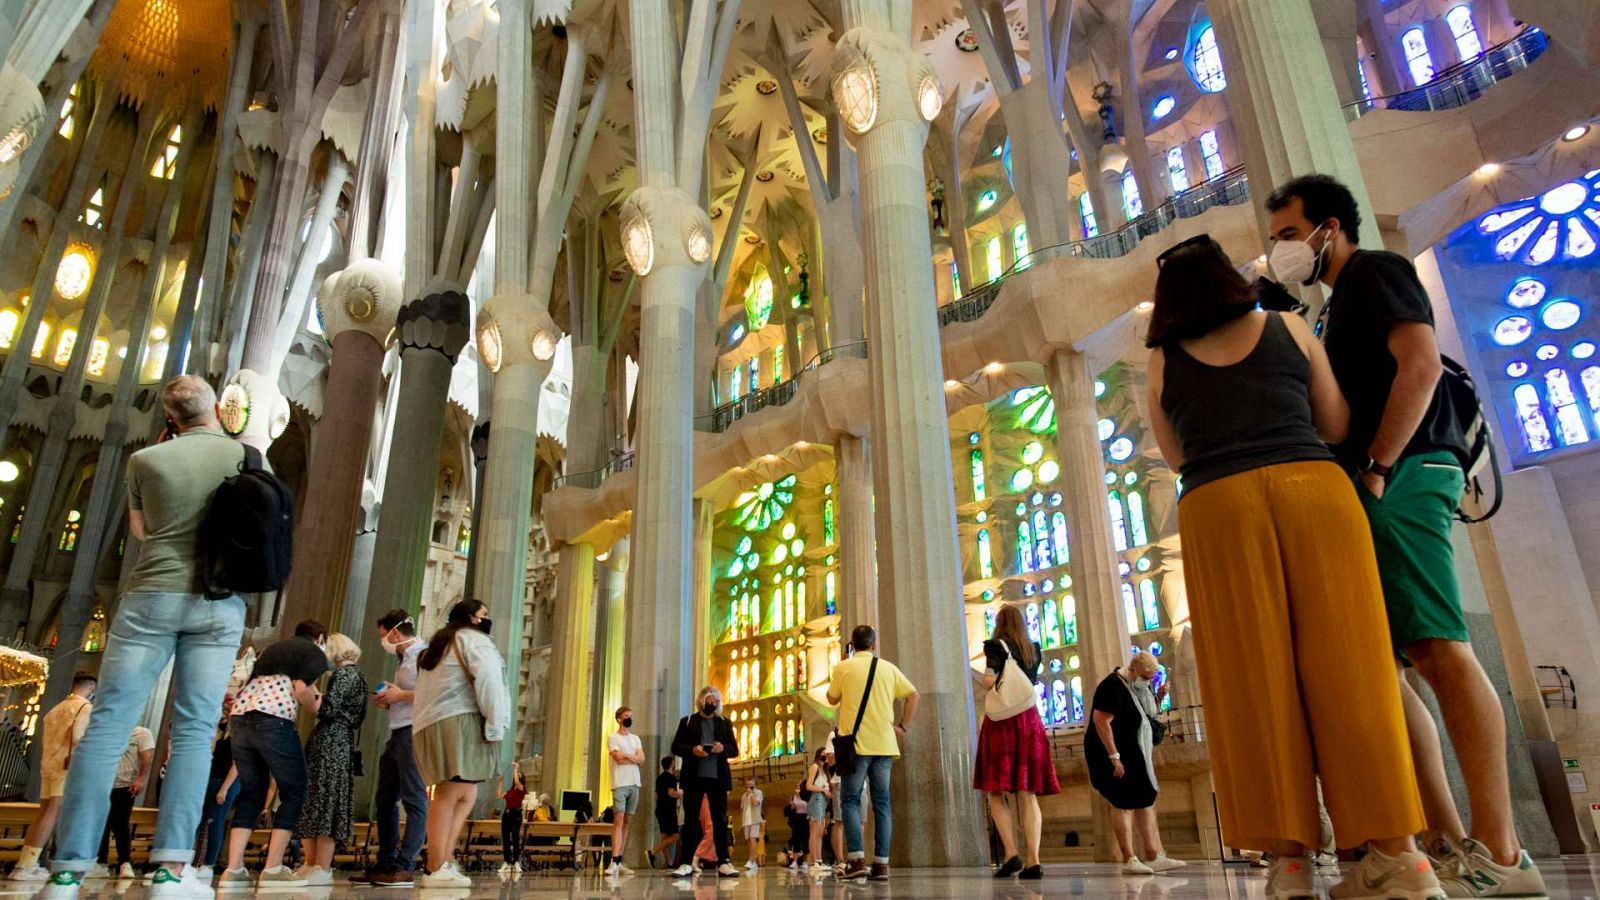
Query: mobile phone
column 706, row 747
column 381, row 686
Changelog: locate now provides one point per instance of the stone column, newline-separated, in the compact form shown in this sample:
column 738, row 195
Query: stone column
column 705, row 579
column 910, row 438
column 661, row 226
column 567, row 681
column 1285, row 107
column 606, row 666
column 858, row 583
column 1102, row 626
column 359, row 307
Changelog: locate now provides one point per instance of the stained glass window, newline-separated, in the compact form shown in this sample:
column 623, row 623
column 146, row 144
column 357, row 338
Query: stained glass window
column 994, row 257
column 1561, row 224
column 755, row 374
column 1211, row 153
column 1069, row 619
column 1091, row 227
column 166, row 164
column 979, row 482
column 1058, row 537
column 1206, row 63
column 1040, row 701
column 1569, row 417
column 736, row 383
column 9, row 321
column 1468, row 45
column 68, row 122
column 1138, row 536
column 758, row 299
column 69, row 532
column 1024, row 547
column 1149, row 606
column 1131, row 201
column 1164, row 104
column 1052, row 625
column 1059, row 706
column 1119, row 533
column 1041, row 544
column 1130, row 609
column 777, row 363
column 1030, row 617
column 1077, row 698
column 1418, row 60
column 1530, row 416
column 985, row 559
column 1177, row 171
column 1019, row 245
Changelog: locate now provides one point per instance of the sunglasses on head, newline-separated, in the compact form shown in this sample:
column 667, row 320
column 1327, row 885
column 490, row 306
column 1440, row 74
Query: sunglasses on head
column 1199, row 240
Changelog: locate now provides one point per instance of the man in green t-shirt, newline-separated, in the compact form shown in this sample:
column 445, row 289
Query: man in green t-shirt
column 164, row 615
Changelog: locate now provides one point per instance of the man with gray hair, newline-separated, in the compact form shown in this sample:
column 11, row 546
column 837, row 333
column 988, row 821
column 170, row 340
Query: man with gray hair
column 705, row 741
column 163, row 615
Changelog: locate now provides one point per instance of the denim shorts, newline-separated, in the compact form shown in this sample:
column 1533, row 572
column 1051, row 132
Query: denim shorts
column 625, row 799
column 817, row 807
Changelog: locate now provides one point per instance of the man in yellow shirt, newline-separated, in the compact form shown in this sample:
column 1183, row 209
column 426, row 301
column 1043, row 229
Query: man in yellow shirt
column 62, row 729
column 876, row 745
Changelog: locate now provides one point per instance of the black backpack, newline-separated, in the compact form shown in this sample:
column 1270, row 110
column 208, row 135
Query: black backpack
column 1475, row 447
column 246, row 539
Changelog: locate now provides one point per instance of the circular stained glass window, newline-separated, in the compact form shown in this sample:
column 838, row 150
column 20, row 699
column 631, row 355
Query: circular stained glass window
column 1561, row 315
column 1512, row 330
column 1022, row 480
column 1144, row 564
column 1122, row 448
column 1049, row 585
column 982, row 517
column 1072, row 662
column 1032, row 452
column 1516, row 368
column 1036, row 499
column 1155, row 648
column 973, row 438
column 1123, row 568
column 1526, row 292
column 1562, row 199
column 1131, row 478
column 1546, row 352
column 1111, row 478
column 1163, row 105
column 1022, row 509
column 1055, row 665
column 1048, row 470
column 1055, row 499
column 1099, row 388
column 1106, row 427
column 1583, row 350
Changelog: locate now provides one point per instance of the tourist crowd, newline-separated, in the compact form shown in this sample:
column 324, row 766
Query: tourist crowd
column 1320, row 469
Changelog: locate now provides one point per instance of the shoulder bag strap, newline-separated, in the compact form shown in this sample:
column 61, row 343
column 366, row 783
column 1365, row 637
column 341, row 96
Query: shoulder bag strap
column 252, row 459
column 861, row 710
column 455, row 647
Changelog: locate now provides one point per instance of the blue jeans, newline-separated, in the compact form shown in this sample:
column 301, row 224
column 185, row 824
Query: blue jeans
column 400, row 784
column 876, row 770
column 267, row 749
column 202, row 637
column 214, row 818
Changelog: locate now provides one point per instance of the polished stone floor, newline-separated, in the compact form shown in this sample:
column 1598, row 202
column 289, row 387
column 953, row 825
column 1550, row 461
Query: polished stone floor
column 1576, row 877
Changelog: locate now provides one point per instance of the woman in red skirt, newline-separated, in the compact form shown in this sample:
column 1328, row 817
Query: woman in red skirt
column 1013, row 754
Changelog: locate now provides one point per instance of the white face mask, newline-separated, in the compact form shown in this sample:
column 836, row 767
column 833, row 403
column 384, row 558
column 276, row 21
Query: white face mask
column 1295, row 261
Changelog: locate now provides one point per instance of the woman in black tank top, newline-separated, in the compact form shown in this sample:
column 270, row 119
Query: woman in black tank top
column 1291, row 637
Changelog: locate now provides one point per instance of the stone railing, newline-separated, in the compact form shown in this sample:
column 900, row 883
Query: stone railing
column 1464, row 82
column 723, row 417
column 1228, row 189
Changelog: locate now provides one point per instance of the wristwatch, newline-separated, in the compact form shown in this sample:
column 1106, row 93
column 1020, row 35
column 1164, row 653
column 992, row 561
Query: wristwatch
column 1376, row 468
column 1116, row 756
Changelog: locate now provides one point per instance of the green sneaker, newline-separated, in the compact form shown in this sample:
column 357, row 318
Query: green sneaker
column 1478, row 875
column 62, row 886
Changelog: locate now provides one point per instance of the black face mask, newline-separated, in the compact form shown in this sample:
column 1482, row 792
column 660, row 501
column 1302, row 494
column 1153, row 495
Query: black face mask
column 485, row 625
column 628, row 722
column 710, row 709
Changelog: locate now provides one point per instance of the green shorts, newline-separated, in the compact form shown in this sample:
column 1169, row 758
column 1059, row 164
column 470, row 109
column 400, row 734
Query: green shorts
column 1416, row 561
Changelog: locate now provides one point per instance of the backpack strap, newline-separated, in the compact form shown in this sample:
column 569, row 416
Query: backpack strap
column 252, row 459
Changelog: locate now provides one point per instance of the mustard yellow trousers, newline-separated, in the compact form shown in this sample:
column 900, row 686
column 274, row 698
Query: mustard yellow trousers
column 1297, row 675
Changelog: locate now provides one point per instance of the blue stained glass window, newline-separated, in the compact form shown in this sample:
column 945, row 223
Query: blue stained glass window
column 736, row 383
column 1530, row 418
column 1039, row 700
column 989, row 616
column 1041, row 544
column 1468, row 44
column 755, row 373
column 1030, row 616
column 1418, row 60
column 1177, row 171
column 1058, row 537
column 1211, row 154
column 1077, row 698
column 1569, row 417
column 1149, row 606
column 1091, row 227
column 1024, row 547
column 1206, row 63
column 1019, row 245
column 1060, row 707
column 1131, row 201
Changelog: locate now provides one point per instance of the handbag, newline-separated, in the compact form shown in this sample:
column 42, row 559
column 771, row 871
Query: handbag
column 1012, row 693
column 844, row 745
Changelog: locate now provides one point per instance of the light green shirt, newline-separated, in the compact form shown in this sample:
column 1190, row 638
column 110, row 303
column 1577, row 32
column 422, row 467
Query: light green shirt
column 172, row 484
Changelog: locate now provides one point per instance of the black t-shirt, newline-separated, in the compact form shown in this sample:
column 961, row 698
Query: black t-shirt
column 995, row 653
column 665, row 782
column 1376, row 291
column 297, row 658
column 221, row 758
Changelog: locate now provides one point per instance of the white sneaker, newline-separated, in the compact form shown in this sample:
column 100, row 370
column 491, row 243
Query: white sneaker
column 820, row 871
column 516, row 868
column 1290, row 878
column 505, row 868
column 316, row 876
column 1164, row 863
column 624, row 871
column 726, row 870
column 61, row 886
column 805, row 868
column 683, row 871
column 126, row 871
column 613, row 870
column 1134, row 867
column 280, row 878
column 446, row 876
column 235, row 880
column 1476, row 874
column 36, row 873
column 1404, row 876
column 189, row 885
column 751, row 865
column 98, row 872
column 1327, row 864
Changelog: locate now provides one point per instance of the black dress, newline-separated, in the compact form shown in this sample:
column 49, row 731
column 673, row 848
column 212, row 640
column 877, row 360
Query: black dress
column 330, row 801
column 1136, row 789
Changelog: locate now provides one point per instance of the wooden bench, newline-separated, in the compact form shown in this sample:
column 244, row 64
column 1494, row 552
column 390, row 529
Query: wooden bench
column 592, row 840
column 560, row 849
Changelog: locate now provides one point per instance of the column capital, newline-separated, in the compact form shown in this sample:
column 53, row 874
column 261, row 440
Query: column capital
column 365, row 297
column 516, row 330
column 21, row 111
column 663, row 227
column 437, row 322
column 878, row 79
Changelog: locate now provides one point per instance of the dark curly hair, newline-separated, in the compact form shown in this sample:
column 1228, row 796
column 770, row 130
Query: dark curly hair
column 1322, row 198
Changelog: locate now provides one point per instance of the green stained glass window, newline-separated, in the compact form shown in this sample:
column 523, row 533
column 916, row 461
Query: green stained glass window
column 1024, row 547
column 979, row 483
column 985, row 559
column 1058, row 537
column 777, row 363
column 829, row 597
column 736, row 383
column 758, row 299
column 1036, row 409
column 994, row 256
column 827, row 522
column 1138, row 536
column 1019, row 245
column 1149, row 606
column 757, row 509
column 1069, row 620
